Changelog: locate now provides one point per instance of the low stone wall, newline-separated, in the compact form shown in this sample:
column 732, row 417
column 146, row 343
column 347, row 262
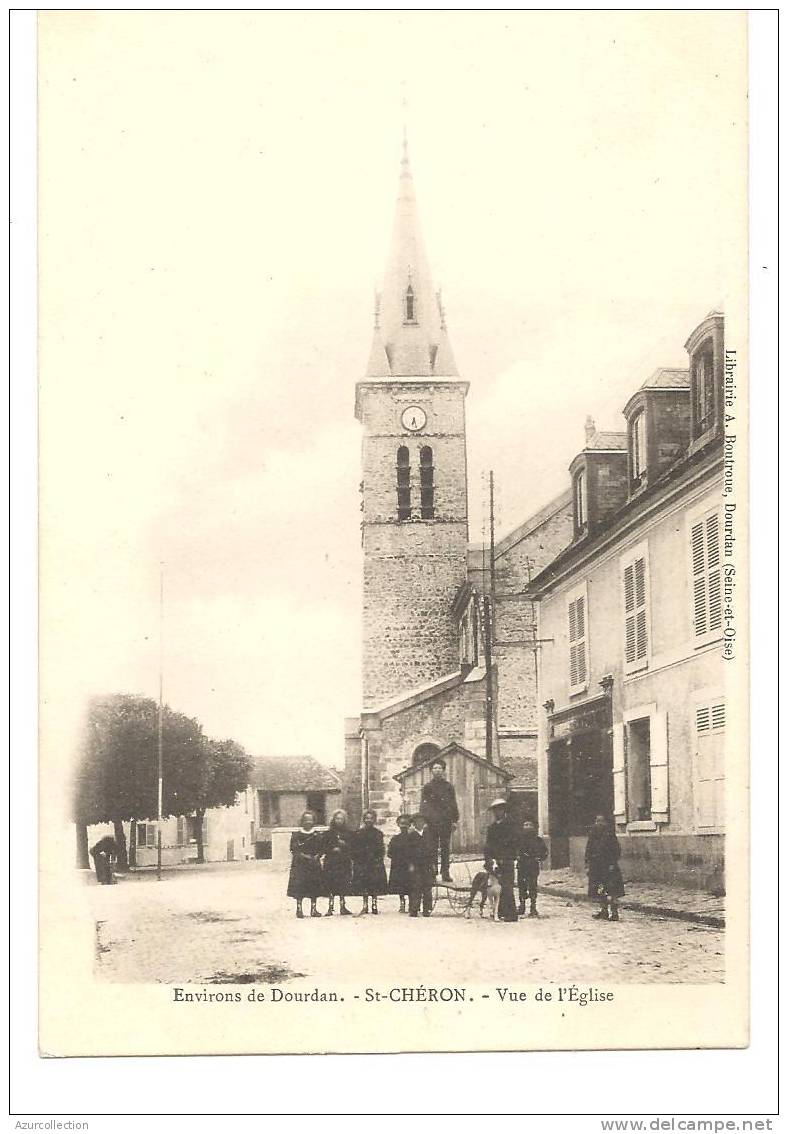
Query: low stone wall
column 695, row 861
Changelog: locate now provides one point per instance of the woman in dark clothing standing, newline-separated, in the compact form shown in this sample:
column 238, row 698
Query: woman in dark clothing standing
column 400, row 881
column 369, row 871
column 337, row 863
column 604, row 876
column 306, row 846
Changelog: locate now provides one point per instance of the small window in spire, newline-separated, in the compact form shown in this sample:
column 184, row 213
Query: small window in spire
column 426, row 482
column 403, row 483
column 410, row 306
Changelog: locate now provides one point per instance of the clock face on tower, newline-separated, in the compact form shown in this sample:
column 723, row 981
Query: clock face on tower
column 414, row 419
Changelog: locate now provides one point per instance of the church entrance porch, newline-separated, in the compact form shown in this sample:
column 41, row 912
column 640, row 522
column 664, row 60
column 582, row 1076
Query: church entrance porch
column 579, row 773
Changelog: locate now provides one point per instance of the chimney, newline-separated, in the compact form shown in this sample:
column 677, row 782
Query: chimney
column 590, row 429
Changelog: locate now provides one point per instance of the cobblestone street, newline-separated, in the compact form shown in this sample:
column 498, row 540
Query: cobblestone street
column 232, row 923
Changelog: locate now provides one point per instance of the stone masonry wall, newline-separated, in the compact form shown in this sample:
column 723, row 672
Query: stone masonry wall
column 522, row 555
column 412, row 568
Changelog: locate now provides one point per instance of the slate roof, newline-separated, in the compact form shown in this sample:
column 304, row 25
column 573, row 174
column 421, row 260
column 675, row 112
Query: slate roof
column 667, row 378
column 292, row 773
column 604, row 439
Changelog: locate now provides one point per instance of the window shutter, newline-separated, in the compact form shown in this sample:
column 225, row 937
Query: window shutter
column 706, row 574
column 714, row 571
column 699, row 578
column 641, row 635
column 710, row 765
column 630, row 646
column 180, row 835
column 636, row 644
column 658, row 760
column 619, row 773
column 581, row 643
column 578, row 665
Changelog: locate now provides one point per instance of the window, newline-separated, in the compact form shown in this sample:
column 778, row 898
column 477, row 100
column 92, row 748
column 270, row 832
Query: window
column 706, row 571
column 581, row 515
column 181, row 831
column 268, row 808
column 640, row 767
column 410, row 306
column 426, row 483
column 146, row 834
column 578, row 641
column 639, row 770
column 316, row 803
column 703, row 389
column 424, row 752
column 634, row 575
column 710, row 765
column 403, row 483
column 637, row 446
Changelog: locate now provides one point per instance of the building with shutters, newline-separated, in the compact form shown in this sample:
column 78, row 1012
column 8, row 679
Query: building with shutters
column 630, row 617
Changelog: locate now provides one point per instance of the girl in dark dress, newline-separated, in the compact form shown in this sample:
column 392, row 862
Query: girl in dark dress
column 399, row 875
column 337, row 863
column 604, row 876
column 306, row 846
column 369, row 871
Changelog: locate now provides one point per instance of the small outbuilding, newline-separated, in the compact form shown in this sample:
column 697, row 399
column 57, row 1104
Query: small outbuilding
column 477, row 782
column 283, row 788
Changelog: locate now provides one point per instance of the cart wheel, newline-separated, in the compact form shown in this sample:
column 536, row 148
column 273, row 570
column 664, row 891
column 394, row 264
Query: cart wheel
column 458, row 900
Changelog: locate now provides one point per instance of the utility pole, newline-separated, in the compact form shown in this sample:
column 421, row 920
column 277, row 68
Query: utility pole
column 488, row 698
column 489, row 633
column 160, row 722
column 492, row 555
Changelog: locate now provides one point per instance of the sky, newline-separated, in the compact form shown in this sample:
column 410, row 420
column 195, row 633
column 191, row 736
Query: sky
column 216, row 192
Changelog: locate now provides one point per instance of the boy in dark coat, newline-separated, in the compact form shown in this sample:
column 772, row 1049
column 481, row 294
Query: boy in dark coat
column 305, row 881
column 399, row 879
column 421, row 867
column 533, row 852
column 104, row 853
column 439, row 808
column 501, row 847
column 369, row 870
column 604, row 876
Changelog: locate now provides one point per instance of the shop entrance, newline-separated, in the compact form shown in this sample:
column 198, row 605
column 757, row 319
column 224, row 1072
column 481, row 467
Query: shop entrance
column 580, row 776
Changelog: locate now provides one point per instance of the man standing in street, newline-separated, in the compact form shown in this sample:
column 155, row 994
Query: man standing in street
column 439, row 807
column 501, row 848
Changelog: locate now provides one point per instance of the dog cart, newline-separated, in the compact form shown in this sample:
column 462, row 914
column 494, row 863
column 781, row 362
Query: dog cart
column 455, row 894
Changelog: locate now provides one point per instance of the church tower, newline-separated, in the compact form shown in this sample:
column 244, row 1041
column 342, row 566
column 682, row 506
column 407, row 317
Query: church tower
column 411, row 406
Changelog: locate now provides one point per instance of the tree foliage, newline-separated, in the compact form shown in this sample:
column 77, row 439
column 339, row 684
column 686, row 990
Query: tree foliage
column 117, row 777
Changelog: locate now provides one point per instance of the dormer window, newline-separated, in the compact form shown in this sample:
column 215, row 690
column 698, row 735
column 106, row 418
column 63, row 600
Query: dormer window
column 581, row 501
column 637, row 446
column 703, row 388
column 410, row 306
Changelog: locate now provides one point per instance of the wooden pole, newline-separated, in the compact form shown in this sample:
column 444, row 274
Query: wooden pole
column 488, row 699
column 492, row 555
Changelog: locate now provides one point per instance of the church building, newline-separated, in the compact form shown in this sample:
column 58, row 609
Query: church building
column 429, row 685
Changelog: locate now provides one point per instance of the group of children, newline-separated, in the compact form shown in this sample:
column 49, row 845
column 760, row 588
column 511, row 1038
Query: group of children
column 338, row 862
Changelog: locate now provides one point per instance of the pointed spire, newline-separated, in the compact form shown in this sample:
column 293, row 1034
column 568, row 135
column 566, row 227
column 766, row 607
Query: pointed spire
column 409, row 323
